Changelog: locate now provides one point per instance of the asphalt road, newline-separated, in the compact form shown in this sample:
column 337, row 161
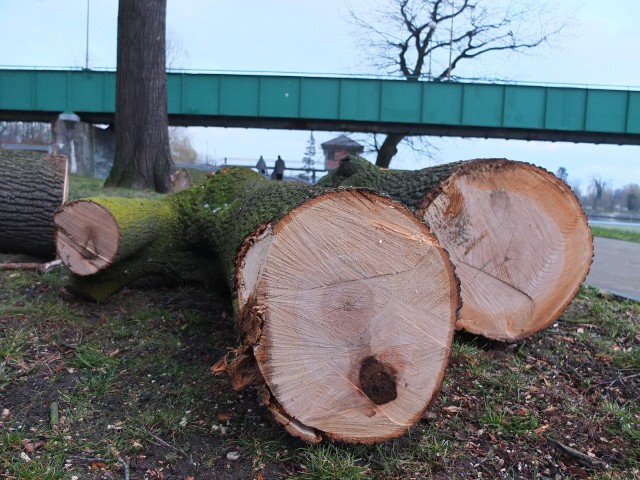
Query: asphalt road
column 616, row 267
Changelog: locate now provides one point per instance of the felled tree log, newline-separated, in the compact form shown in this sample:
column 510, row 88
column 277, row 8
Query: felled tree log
column 516, row 234
column 32, row 186
column 110, row 243
column 345, row 301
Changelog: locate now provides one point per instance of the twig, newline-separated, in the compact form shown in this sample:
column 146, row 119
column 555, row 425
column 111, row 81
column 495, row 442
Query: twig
column 166, row 444
column 40, row 267
column 585, row 460
column 119, row 459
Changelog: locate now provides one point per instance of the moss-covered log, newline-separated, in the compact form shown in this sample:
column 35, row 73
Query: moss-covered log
column 516, row 233
column 32, row 186
column 345, row 301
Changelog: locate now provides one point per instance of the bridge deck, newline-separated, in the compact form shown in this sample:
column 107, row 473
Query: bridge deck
column 575, row 114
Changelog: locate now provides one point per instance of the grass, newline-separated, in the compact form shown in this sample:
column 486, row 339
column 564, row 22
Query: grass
column 132, row 381
column 329, row 462
column 619, row 234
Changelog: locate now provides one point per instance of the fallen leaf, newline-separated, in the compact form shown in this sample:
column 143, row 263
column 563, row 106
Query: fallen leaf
column 30, row 446
column 220, row 366
column 225, row 416
column 98, row 465
column 452, row 409
column 542, row 429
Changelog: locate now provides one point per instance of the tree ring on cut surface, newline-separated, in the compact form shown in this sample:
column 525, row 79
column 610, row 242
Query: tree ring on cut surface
column 357, row 305
column 520, row 243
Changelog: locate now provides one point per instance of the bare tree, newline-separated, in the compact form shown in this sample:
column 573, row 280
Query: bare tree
column 601, row 194
column 562, row 174
column 182, row 150
column 630, row 197
column 429, row 39
column 143, row 158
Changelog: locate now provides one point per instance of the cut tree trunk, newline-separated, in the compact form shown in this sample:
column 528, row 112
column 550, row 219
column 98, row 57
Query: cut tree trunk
column 32, row 186
column 345, row 301
column 516, row 234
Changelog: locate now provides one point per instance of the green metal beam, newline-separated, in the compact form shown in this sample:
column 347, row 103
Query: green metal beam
column 351, row 104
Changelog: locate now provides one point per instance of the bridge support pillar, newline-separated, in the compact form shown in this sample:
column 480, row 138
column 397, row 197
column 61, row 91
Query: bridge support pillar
column 90, row 149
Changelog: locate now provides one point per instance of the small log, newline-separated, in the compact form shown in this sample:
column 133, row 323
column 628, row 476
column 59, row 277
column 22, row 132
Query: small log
column 93, row 233
column 32, row 186
column 39, row 267
column 516, row 234
column 110, row 243
column 345, row 301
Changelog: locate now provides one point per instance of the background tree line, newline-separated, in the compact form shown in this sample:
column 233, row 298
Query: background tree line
column 600, row 195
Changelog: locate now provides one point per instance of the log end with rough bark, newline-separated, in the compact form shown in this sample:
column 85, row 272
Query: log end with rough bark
column 519, row 240
column 348, row 306
column 32, row 186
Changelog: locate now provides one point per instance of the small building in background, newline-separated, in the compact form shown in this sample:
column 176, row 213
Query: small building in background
column 338, row 148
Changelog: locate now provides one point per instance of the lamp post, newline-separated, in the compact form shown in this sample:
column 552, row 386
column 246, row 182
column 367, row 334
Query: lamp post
column 451, row 40
column 432, row 26
column 86, row 60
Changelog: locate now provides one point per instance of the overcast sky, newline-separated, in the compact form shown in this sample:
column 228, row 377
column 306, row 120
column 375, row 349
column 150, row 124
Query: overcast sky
column 308, row 36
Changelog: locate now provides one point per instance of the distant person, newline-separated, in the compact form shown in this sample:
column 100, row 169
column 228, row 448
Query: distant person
column 262, row 166
column 278, row 170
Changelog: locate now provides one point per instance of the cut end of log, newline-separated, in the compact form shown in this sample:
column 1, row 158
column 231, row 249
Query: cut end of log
column 351, row 305
column 520, row 243
column 87, row 237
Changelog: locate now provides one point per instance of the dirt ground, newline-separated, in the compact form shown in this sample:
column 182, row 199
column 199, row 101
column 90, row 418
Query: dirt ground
column 125, row 390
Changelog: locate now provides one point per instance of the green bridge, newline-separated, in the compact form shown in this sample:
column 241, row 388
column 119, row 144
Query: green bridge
column 531, row 112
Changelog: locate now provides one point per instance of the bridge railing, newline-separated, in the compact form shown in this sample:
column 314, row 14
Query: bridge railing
column 310, row 175
column 355, row 104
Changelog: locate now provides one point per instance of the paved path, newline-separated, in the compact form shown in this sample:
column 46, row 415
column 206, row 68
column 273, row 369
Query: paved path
column 616, row 267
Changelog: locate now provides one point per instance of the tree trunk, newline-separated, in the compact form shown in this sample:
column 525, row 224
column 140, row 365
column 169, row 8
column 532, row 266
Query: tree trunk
column 345, row 301
column 516, row 234
column 32, row 186
column 142, row 158
column 388, row 149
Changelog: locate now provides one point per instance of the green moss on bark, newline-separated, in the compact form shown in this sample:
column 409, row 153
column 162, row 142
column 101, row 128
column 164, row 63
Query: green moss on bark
column 194, row 235
column 406, row 186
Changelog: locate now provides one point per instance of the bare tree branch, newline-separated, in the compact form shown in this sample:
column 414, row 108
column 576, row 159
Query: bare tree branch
column 412, row 38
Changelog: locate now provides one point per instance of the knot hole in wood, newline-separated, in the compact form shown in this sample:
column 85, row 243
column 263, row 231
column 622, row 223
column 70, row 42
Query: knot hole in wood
column 377, row 381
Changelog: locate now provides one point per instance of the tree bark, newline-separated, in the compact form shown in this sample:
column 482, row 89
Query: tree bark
column 345, row 301
column 516, row 234
column 32, row 186
column 142, row 157
column 388, row 149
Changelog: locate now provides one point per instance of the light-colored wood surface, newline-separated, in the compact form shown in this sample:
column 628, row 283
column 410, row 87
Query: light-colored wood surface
column 520, row 243
column 87, row 237
column 356, row 305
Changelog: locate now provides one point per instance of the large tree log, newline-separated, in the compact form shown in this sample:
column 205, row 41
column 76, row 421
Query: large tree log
column 32, row 186
column 345, row 301
column 516, row 233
